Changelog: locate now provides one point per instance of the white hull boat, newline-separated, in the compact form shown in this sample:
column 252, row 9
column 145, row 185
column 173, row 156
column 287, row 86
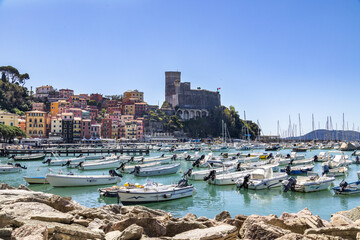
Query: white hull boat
column 199, row 175
column 347, row 188
column 153, row 192
column 262, row 178
column 36, row 180
column 100, row 165
column 9, row 169
column 308, row 183
column 227, row 178
column 58, row 180
column 128, row 169
column 157, row 170
column 61, row 162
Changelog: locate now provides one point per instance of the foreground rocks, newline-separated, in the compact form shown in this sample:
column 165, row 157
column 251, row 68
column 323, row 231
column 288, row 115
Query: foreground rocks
column 25, row 214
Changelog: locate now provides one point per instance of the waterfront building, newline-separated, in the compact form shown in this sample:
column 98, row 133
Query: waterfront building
column 86, row 129
column 56, row 126
column 93, row 112
column 67, row 127
column 77, row 129
column 77, row 112
column 129, row 109
column 134, row 95
column 54, row 108
column 131, row 129
column 66, row 93
column 43, row 91
column 36, row 124
column 115, row 130
column 9, row 119
column 22, row 123
column 139, row 129
column 95, row 131
column 189, row 103
column 122, row 132
column 38, row 106
column 106, row 128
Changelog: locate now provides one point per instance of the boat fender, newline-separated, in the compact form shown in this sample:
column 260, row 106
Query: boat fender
column 288, row 156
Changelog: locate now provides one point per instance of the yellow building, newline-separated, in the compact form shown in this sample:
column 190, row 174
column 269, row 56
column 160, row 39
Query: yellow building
column 129, row 109
column 115, row 130
column 54, row 109
column 36, row 124
column 135, row 96
column 77, row 129
column 130, row 129
column 9, row 119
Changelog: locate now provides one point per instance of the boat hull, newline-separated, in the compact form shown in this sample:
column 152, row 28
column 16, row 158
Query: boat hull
column 130, row 198
column 57, row 180
column 147, row 172
column 9, row 170
column 36, row 180
column 30, row 157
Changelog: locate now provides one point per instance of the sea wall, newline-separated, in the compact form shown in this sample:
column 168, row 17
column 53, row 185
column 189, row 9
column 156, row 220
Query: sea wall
column 25, row 214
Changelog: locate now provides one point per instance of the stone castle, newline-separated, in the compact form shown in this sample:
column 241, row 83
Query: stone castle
column 188, row 103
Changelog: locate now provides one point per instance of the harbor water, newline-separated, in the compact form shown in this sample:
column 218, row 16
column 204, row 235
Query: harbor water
column 209, row 200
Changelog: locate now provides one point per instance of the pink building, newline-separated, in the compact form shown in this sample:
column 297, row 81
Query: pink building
column 38, row 106
column 139, row 129
column 76, row 111
column 95, row 131
column 66, row 93
column 86, row 129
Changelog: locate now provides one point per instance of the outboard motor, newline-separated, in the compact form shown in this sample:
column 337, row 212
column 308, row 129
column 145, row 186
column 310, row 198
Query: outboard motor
column 19, row 166
column 80, row 155
column 188, row 158
column 291, row 161
column 136, row 170
column 183, row 183
column 357, row 160
column 174, row 157
column 291, row 182
column 9, row 163
column 12, row 157
column 343, row 185
column 80, row 164
column 131, row 159
column 47, row 161
column 287, row 156
column 66, row 164
column 196, row 163
column 163, row 155
column 245, row 183
column 188, row 173
column 270, row 156
column 325, row 169
column 122, row 166
column 288, row 169
column 316, row 158
column 249, row 155
column 238, row 167
column 211, row 176
column 142, row 159
column 113, row 173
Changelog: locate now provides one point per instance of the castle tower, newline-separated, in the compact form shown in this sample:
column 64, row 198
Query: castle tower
column 170, row 91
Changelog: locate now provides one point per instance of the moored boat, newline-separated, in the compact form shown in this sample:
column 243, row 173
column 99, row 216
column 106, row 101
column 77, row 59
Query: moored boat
column 311, row 183
column 156, row 170
column 347, row 188
column 36, row 180
column 30, row 157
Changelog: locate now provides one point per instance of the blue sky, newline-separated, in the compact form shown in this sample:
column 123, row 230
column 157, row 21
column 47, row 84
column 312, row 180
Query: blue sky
column 271, row 58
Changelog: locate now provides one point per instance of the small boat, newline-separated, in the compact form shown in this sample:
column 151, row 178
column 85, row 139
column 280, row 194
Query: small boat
column 302, row 162
column 99, row 165
column 323, row 157
column 60, row 180
column 310, row 183
column 36, row 180
column 225, row 178
column 335, row 172
column 30, row 157
column 156, row 170
column 63, row 162
column 199, row 175
column 347, row 188
column 262, row 178
column 154, row 192
column 299, row 149
column 297, row 170
column 338, row 161
column 10, row 168
column 358, row 174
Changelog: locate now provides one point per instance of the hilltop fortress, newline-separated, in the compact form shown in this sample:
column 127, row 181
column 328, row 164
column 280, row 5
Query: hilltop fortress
column 188, row 103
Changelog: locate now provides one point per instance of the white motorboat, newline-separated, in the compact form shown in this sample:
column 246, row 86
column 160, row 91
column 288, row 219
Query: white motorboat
column 347, row 188
column 311, row 183
column 128, row 169
column 163, row 159
column 156, row 170
column 225, row 178
column 36, row 180
column 60, row 180
column 11, row 168
column 322, row 157
column 99, row 165
column 298, row 170
column 248, row 159
column 262, row 178
column 199, row 175
column 154, row 192
column 30, row 157
column 335, row 172
column 61, row 162
column 302, row 162
column 254, row 165
column 295, row 156
column 338, row 161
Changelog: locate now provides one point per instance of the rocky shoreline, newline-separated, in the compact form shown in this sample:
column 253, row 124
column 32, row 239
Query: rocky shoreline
column 25, row 214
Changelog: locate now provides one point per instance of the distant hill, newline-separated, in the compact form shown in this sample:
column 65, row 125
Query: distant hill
column 323, row 135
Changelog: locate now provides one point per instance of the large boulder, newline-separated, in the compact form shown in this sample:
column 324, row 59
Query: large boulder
column 222, row 216
column 175, row 227
column 114, row 235
column 220, row 232
column 257, row 229
column 346, row 232
column 152, row 226
column 338, row 220
column 5, row 233
column 352, row 214
column 133, row 232
column 30, row 232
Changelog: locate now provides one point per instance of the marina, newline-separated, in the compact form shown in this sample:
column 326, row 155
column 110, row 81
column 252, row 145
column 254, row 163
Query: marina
column 209, row 199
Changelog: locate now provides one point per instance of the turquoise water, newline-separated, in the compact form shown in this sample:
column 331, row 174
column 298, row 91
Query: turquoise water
column 209, row 200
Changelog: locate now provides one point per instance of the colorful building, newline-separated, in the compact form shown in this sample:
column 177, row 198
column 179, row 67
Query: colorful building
column 77, row 129
column 140, row 109
column 86, row 129
column 66, row 93
column 56, row 126
column 22, row 124
column 135, row 96
column 77, row 112
column 129, row 109
column 38, row 106
column 95, row 131
column 43, row 91
column 96, row 97
column 130, row 129
column 9, row 119
column 54, row 109
column 67, row 127
column 36, row 124
column 115, row 130
column 106, row 128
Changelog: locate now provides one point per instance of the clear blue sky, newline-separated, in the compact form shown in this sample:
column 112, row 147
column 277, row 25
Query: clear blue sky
column 271, row 58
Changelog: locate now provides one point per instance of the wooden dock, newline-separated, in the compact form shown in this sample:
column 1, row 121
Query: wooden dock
column 83, row 151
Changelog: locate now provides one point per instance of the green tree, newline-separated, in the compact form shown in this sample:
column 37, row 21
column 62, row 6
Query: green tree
column 12, row 75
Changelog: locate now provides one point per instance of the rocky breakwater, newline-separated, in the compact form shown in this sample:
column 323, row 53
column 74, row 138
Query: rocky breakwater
column 26, row 214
